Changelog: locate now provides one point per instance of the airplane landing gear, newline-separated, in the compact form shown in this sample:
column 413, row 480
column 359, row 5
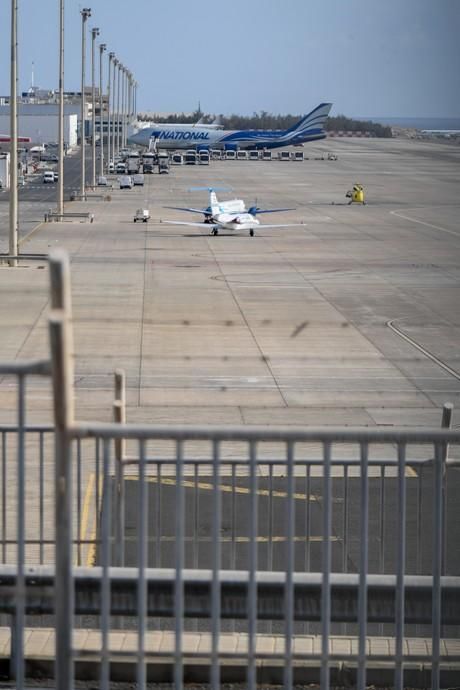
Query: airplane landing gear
column 251, row 232
column 214, row 231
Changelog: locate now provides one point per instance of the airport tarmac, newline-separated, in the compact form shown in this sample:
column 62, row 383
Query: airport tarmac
column 350, row 318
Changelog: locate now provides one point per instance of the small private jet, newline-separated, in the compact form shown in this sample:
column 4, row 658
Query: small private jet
column 228, row 215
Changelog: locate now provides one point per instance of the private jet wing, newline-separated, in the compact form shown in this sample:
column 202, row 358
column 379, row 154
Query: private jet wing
column 190, row 210
column 282, row 225
column 212, row 226
column 258, row 211
column 206, row 226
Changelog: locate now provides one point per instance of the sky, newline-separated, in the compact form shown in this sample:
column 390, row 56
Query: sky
column 375, row 58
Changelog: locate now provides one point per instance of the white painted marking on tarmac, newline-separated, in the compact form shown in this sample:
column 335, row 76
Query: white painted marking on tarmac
column 422, row 222
column 425, row 352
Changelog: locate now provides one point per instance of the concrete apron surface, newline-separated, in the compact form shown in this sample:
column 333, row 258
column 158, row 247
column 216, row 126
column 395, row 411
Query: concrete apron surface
column 289, row 327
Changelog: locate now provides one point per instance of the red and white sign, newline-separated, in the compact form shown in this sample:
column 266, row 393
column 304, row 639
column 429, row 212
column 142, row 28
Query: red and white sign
column 5, row 139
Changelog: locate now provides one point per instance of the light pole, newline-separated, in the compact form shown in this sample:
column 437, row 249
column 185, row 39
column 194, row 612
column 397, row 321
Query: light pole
column 85, row 14
column 102, row 48
column 60, row 190
column 115, row 65
column 94, row 34
column 13, row 235
column 130, row 104
column 109, row 127
column 123, row 108
column 120, row 67
column 122, row 131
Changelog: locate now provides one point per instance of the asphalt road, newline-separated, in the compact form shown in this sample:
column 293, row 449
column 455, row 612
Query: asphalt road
column 36, row 198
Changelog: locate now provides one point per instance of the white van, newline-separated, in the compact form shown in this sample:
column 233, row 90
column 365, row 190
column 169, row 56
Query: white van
column 48, row 177
column 126, row 182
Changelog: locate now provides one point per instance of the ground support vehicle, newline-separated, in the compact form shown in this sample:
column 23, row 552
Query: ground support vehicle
column 142, row 215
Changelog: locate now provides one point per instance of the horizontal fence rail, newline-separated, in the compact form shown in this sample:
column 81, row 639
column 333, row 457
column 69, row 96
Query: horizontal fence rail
column 234, row 588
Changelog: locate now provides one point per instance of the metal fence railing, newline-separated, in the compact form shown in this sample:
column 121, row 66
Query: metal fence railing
column 245, row 531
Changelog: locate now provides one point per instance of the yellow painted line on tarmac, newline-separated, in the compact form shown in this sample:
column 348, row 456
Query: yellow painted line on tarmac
column 227, row 488
column 86, row 508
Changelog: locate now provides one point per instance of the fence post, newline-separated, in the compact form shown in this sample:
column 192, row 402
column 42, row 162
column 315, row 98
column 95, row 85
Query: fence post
column 119, row 417
column 62, row 378
column 446, row 423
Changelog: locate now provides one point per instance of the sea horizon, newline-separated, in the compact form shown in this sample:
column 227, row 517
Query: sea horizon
column 441, row 123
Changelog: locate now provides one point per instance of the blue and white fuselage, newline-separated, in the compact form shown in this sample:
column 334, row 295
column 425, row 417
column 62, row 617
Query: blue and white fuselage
column 309, row 128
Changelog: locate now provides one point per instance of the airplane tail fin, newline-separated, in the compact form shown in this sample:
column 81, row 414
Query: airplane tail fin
column 314, row 120
column 213, row 202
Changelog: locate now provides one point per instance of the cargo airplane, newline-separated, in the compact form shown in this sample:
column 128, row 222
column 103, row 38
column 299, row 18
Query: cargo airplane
column 309, row 128
column 229, row 215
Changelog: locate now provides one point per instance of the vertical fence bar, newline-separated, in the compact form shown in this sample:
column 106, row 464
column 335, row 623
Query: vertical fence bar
column 196, row 514
column 419, row 520
column 41, row 488
column 233, row 525
column 233, row 530
column 252, row 592
column 382, row 530
column 105, row 560
column 290, row 566
column 179, row 565
column 345, row 519
column 326, row 567
column 4, row 480
column 216, row 564
column 119, row 417
column 446, row 423
column 142, row 558
column 97, row 492
column 400, row 568
column 62, row 376
column 308, row 519
column 363, row 565
column 79, row 482
column 17, row 640
column 158, row 517
column 382, row 522
column 271, row 522
column 437, row 563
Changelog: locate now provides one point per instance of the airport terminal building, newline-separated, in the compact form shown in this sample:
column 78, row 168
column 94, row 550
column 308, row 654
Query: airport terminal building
column 40, row 122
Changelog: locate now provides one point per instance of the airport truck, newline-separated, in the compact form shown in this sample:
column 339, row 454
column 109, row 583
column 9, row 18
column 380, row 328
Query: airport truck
column 163, row 163
column 149, row 161
column 133, row 165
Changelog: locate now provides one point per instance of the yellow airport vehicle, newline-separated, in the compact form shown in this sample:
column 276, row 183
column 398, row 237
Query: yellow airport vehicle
column 356, row 195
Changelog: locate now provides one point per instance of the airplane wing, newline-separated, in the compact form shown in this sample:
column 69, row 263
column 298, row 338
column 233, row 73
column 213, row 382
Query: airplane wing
column 284, row 225
column 272, row 210
column 191, row 210
column 205, row 226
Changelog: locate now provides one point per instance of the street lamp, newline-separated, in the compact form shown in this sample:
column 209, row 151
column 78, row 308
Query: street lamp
column 120, row 68
column 123, row 107
column 135, row 99
column 60, row 189
column 13, row 234
column 94, row 34
column 102, row 48
column 109, row 123
column 85, row 14
column 115, row 65
column 130, row 102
